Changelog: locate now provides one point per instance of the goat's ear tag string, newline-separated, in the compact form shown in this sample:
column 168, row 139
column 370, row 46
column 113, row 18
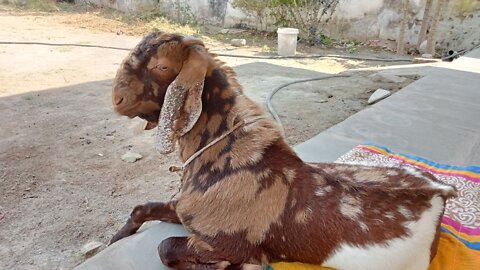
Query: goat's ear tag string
column 174, row 168
column 180, row 169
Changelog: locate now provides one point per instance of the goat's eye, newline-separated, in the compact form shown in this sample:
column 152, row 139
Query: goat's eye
column 162, row 67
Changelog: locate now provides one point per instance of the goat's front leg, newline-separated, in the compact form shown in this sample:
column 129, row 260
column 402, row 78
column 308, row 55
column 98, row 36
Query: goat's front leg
column 190, row 253
column 146, row 212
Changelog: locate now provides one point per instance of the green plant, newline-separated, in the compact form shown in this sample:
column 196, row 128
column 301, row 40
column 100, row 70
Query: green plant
column 176, row 11
column 183, row 13
column 466, row 8
column 45, row 5
column 268, row 49
column 38, row 5
column 325, row 40
column 306, row 15
column 351, row 46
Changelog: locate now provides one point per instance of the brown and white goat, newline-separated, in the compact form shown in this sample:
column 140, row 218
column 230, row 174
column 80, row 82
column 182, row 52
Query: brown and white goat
column 246, row 197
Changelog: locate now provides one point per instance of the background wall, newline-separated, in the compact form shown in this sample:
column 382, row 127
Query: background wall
column 354, row 19
column 123, row 5
column 458, row 29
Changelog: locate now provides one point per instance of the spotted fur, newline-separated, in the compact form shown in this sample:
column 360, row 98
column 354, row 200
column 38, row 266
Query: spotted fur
column 249, row 199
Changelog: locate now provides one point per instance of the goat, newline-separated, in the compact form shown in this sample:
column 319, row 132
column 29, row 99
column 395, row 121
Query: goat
column 246, row 197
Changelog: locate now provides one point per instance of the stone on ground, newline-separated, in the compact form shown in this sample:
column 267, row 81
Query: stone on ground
column 92, row 248
column 238, row 42
column 378, row 95
column 131, row 157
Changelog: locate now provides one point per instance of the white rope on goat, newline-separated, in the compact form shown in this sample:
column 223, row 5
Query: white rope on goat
column 174, row 168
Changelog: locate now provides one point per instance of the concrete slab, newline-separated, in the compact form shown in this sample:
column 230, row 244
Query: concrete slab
column 437, row 117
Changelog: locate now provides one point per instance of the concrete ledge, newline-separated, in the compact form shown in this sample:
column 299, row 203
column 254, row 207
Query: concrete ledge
column 436, row 117
column 138, row 251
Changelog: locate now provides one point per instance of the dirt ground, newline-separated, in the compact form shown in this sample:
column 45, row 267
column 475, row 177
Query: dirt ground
column 62, row 181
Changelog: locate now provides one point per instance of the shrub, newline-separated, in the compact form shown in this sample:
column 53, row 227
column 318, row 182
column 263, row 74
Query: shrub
column 306, row 15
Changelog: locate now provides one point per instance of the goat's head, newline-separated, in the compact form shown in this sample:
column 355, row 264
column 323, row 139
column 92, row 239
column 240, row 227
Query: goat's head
column 161, row 81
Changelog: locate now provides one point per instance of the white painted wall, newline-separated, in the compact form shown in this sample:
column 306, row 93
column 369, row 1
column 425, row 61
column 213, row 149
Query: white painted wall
column 353, row 9
column 122, row 5
column 379, row 19
column 354, row 19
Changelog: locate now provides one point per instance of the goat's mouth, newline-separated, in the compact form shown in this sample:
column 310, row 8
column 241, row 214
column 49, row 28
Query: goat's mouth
column 151, row 118
column 138, row 111
column 130, row 111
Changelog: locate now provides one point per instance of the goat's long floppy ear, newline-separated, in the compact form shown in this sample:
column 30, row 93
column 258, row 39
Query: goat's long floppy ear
column 183, row 101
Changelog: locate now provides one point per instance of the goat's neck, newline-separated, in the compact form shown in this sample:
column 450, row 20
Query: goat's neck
column 219, row 113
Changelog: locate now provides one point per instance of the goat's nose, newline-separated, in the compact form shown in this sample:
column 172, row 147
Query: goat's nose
column 117, row 100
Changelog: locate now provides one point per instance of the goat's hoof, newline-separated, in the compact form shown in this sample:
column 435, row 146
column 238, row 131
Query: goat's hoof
column 248, row 266
column 114, row 239
column 118, row 236
column 222, row 265
column 244, row 266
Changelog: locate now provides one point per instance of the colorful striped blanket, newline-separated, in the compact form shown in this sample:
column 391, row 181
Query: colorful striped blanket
column 459, row 247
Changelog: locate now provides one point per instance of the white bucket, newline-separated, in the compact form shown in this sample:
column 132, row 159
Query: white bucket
column 287, row 41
